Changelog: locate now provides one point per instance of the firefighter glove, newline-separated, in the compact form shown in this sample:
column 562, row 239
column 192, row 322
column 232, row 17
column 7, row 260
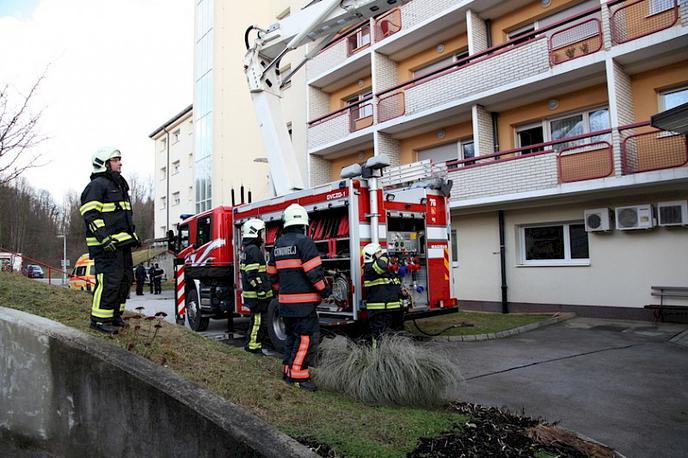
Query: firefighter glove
column 109, row 245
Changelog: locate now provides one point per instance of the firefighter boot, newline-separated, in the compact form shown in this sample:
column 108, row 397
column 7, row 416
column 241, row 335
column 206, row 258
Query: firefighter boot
column 118, row 322
column 104, row 326
column 307, row 385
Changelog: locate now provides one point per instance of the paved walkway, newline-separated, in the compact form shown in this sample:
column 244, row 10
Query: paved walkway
column 620, row 382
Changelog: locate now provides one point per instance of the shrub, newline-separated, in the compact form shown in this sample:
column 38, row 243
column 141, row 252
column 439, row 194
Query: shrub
column 397, row 372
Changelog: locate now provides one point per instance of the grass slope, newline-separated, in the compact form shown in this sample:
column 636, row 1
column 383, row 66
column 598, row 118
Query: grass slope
column 351, row 428
column 483, row 323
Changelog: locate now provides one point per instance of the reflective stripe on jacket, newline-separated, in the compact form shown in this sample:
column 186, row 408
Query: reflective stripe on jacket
column 296, row 269
column 382, row 287
column 254, row 278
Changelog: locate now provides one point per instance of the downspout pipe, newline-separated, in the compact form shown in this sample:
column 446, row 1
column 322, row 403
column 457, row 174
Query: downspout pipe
column 167, row 180
column 502, row 262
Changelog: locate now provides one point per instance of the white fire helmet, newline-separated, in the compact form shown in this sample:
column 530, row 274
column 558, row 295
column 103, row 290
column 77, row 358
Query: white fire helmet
column 251, row 228
column 103, row 155
column 370, row 250
column 295, row 215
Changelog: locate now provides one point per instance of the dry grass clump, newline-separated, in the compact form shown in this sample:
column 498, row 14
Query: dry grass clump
column 396, row 372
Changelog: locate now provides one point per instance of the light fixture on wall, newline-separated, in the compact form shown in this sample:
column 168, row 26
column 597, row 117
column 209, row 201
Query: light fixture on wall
column 360, row 83
column 440, row 48
column 545, row 3
column 441, row 134
column 553, row 104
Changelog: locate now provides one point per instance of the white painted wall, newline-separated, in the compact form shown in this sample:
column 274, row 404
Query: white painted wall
column 623, row 264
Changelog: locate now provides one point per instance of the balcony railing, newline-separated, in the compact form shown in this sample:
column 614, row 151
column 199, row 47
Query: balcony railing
column 388, row 24
column 634, row 19
column 340, row 123
column 525, row 56
column 644, row 149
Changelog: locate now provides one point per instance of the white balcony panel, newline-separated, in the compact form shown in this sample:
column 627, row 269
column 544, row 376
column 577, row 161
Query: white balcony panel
column 328, row 131
column 327, row 59
column 510, row 66
column 415, row 12
column 520, row 175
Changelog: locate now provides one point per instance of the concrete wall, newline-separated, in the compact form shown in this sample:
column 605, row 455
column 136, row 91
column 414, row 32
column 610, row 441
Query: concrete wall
column 623, row 264
column 69, row 394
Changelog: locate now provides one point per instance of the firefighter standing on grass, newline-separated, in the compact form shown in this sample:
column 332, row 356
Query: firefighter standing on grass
column 110, row 235
column 257, row 291
column 297, row 273
column 383, row 292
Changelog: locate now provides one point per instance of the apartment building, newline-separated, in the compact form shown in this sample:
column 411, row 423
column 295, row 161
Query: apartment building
column 173, row 174
column 539, row 112
column 229, row 153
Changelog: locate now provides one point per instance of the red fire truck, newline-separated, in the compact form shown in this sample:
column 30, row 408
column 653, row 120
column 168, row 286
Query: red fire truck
column 411, row 219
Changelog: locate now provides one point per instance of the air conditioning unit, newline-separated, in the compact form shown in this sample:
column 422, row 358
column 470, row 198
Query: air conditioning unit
column 673, row 213
column 634, row 217
column 597, row 220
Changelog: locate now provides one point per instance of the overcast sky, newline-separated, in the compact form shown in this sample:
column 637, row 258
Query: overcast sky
column 118, row 69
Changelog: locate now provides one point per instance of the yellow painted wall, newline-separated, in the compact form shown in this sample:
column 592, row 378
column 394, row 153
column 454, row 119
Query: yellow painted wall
column 338, row 96
column 508, row 120
column 411, row 145
column 647, row 85
column 406, row 67
column 524, row 15
column 336, row 165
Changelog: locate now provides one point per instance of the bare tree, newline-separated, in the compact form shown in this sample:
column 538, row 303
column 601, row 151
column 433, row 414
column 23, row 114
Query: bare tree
column 18, row 132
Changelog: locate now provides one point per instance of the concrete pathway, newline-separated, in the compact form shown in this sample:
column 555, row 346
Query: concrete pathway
column 619, row 382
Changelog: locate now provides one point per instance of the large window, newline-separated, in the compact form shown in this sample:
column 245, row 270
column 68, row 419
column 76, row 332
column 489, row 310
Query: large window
column 463, row 149
column 204, row 230
column 554, row 244
column 429, row 68
column 203, row 103
column 360, row 39
column 672, row 98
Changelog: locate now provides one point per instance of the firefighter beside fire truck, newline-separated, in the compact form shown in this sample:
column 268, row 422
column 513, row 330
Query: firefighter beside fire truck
column 257, row 291
column 383, row 292
column 297, row 273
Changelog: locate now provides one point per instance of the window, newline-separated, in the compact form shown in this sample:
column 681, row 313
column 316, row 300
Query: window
column 163, row 144
column 672, row 98
column 463, row 149
column 204, row 230
column 289, row 129
column 175, row 135
column 532, row 134
column 555, row 244
column 578, row 124
column 522, row 31
column 429, row 68
column 363, row 110
column 454, row 249
column 467, row 149
column 163, row 173
column 175, row 198
column 163, row 202
column 183, row 236
column 81, row 271
column 359, row 39
column 175, row 167
column 659, row 6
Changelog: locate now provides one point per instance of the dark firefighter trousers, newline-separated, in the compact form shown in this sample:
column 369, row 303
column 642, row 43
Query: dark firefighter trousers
column 114, row 277
column 302, row 342
column 257, row 328
column 385, row 321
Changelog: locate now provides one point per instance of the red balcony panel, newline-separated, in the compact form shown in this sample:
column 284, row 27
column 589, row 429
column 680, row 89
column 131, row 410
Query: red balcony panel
column 388, row 24
column 391, row 106
column 630, row 20
column 653, row 150
column 585, row 162
column 575, row 41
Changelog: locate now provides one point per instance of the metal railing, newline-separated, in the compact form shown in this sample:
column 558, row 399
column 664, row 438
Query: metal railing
column 645, row 149
column 49, row 268
column 388, row 24
column 631, row 20
column 575, row 41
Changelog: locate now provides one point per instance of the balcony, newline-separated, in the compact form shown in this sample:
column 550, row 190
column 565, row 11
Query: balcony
column 339, row 124
column 579, row 159
column 630, row 20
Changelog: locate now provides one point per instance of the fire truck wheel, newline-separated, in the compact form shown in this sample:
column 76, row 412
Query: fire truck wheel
column 276, row 329
column 193, row 312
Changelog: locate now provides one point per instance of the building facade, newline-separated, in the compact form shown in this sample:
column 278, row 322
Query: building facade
column 538, row 111
column 173, row 174
column 228, row 151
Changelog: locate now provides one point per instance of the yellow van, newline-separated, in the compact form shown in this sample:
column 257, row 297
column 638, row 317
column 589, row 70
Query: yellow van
column 83, row 276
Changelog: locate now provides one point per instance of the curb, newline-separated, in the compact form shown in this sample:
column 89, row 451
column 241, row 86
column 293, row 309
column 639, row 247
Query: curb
column 556, row 318
column 680, row 339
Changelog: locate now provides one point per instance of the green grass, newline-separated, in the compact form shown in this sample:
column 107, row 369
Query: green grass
column 351, row 428
column 483, row 323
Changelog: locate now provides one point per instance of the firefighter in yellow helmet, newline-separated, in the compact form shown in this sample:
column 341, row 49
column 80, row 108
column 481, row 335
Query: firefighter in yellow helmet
column 255, row 284
column 383, row 292
column 297, row 273
column 110, row 236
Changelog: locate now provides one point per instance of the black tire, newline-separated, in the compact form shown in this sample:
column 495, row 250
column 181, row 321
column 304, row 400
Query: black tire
column 193, row 312
column 276, row 328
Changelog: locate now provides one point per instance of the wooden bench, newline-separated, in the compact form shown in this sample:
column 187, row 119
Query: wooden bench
column 668, row 292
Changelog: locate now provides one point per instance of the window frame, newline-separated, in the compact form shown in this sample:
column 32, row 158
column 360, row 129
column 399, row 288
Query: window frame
column 455, row 57
column 518, row 32
column 199, row 224
column 352, row 100
column 663, row 93
column 659, row 6
column 567, row 261
column 460, row 143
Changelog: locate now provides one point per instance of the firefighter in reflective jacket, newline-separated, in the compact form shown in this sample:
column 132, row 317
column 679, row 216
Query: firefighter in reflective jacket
column 257, row 291
column 383, row 292
column 110, row 235
column 297, row 273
